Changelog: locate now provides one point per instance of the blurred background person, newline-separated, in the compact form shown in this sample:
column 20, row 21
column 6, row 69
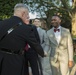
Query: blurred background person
column 32, row 62
column 44, row 24
column 43, row 41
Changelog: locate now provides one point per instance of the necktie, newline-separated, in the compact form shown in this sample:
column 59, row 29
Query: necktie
column 26, row 47
column 56, row 30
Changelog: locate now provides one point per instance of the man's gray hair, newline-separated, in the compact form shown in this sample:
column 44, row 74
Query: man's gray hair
column 20, row 6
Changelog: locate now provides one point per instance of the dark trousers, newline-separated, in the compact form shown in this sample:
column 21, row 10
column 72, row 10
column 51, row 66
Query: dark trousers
column 11, row 64
column 32, row 57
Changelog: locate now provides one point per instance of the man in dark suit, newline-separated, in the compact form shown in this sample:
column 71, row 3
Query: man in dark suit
column 31, row 56
column 13, row 41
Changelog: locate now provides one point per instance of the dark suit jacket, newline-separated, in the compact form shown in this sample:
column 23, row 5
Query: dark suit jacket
column 18, row 38
column 36, row 33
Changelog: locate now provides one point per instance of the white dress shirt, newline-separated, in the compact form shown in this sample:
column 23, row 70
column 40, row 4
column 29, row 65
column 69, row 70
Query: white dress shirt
column 38, row 28
column 58, row 34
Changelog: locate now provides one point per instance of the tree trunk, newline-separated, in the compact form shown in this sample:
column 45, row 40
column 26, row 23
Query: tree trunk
column 74, row 24
column 74, row 18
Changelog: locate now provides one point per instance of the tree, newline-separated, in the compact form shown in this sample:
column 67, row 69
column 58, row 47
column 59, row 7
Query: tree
column 6, row 8
column 73, row 16
column 65, row 8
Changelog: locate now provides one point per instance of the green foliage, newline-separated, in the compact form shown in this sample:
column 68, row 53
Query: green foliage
column 74, row 36
column 48, row 7
column 6, row 8
column 74, row 58
column 51, row 7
